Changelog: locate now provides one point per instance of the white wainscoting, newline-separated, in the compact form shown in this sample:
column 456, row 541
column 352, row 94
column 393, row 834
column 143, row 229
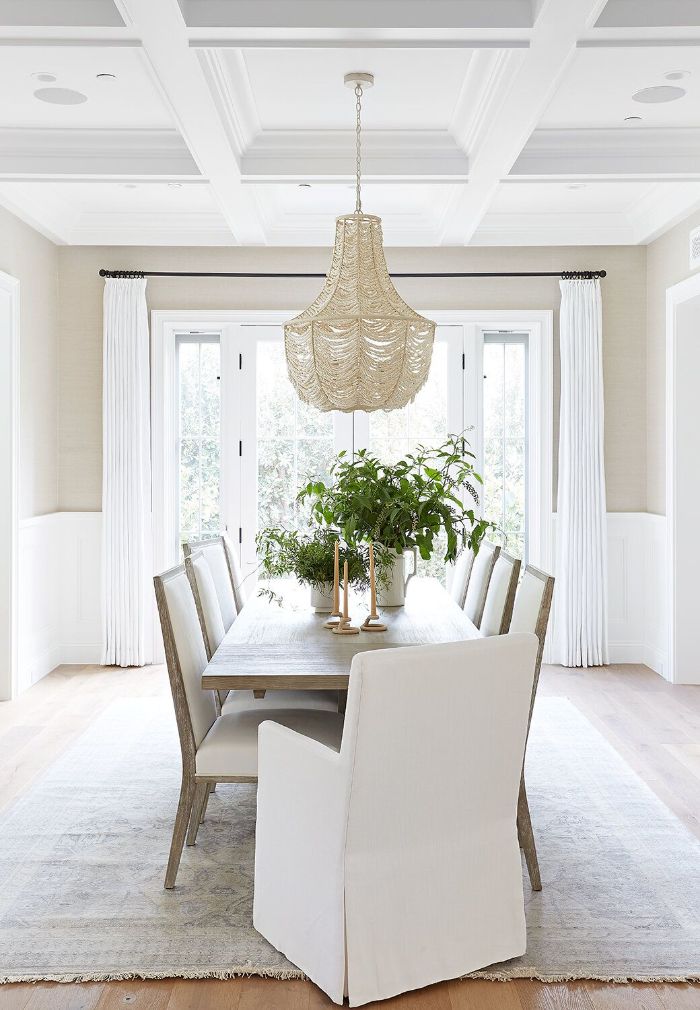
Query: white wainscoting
column 59, row 592
column 636, row 580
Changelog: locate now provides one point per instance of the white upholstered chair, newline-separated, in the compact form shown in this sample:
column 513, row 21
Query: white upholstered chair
column 223, row 569
column 533, row 602
column 394, row 863
column 214, row 748
column 481, row 570
column 500, row 595
column 460, row 576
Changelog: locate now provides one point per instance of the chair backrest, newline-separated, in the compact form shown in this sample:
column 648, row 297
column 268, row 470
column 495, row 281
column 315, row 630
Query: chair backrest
column 498, row 606
column 433, row 748
column 185, row 654
column 236, row 576
column 206, row 600
column 482, row 567
column 214, row 550
column 460, row 576
column 533, row 603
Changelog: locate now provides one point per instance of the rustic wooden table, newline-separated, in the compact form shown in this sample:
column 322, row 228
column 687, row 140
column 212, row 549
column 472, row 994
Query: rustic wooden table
column 286, row 647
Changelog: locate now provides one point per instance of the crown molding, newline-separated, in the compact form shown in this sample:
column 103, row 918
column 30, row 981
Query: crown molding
column 159, row 228
column 26, row 153
column 575, row 229
column 230, row 86
column 329, row 156
column 611, row 152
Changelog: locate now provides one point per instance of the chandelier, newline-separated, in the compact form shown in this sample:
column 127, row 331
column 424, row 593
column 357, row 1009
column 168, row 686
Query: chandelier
column 358, row 346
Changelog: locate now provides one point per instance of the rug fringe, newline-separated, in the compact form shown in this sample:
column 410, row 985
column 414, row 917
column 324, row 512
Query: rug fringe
column 291, row 973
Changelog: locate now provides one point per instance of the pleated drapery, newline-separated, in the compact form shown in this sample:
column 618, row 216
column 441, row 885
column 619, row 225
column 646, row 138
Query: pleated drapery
column 581, row 633
column 127, row 607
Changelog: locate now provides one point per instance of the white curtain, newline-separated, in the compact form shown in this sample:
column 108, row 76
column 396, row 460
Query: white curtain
column 580, row 595
column 127, row 598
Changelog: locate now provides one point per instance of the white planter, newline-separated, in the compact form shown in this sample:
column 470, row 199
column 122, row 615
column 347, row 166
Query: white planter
column 394, row 593
column 322, row 599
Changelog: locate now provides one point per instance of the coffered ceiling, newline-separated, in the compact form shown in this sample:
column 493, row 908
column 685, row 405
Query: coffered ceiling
column 492, row 122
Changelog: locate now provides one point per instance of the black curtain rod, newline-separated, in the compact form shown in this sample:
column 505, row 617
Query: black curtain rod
column 564, row 274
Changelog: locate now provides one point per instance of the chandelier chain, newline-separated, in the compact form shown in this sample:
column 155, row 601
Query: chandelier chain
column 358, row 166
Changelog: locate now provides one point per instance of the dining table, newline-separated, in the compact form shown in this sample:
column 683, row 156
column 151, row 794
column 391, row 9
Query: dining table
column 281, row 644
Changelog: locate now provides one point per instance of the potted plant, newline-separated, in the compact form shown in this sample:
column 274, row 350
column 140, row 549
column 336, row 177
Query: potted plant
column 407, row 505
column 309, row 556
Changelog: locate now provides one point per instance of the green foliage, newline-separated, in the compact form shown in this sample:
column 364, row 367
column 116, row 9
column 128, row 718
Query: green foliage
column 405, row 504
column 310, row 556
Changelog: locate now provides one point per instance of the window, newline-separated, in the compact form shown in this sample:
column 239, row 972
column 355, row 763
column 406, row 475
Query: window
column 294, row 442
column 199, row 436
column 505, row 463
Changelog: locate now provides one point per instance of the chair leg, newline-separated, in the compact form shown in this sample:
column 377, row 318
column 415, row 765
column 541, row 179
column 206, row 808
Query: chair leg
column 201, row 795
column 184, row 808
column 527, row 839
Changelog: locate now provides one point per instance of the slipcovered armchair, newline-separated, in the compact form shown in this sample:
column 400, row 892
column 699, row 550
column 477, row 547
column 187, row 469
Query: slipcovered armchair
column 394, row 862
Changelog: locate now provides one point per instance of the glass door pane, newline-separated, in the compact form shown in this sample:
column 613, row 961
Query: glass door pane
column 505, row 437
column 199, row 437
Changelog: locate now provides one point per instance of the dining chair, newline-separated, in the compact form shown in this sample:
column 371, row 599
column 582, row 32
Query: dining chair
column 533, row 603
column 481, row 570
column 219, row 561
column 398, row 864
column 215, row 748
column 460, row 576
column 500, row 595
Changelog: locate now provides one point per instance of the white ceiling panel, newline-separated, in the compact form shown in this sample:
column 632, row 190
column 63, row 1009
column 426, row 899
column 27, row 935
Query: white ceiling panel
column 569, row 197
column 297, row 89
column 129, row 99
column 46, row 13
column 597, row 90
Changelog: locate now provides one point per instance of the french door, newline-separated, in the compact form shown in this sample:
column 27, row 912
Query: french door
column 232, row 444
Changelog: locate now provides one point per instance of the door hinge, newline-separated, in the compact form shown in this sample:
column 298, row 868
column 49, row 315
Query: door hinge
column 240, row 361
column 464, row 361
column 240, row 448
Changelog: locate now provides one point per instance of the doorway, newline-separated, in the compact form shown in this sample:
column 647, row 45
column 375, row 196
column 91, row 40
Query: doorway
column 9, row 454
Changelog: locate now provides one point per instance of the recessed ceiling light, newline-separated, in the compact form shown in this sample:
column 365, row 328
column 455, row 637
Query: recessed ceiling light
column 660, row 93
column 304, row 185
column 60, row 96
column 175, row 185
column 633, row 119
column 677, row 75
column 106, row 77
column 576, row 185
column 44, row 77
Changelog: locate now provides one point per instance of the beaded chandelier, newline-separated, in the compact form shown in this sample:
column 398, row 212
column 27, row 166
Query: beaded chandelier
column 358, row 346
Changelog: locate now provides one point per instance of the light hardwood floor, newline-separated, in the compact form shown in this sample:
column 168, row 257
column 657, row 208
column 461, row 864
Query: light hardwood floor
column 654, row 726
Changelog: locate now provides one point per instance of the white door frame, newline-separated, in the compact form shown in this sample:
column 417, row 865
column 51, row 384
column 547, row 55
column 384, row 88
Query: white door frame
column 675, row 297
column 538, row 324
column 9, row 483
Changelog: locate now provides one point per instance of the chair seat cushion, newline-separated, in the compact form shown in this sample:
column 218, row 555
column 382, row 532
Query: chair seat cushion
column 231, row 745
column 325, row 701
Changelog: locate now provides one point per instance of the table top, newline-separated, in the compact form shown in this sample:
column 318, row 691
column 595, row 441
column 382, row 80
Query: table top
column 285, row 646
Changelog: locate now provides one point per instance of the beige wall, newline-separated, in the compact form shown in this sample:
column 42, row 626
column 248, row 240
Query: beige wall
column 624, row 311
column 33, row 259
column 667, row 264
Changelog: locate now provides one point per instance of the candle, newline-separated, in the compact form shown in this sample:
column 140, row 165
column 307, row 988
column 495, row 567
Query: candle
column 336, row 580
column 372, row 586
column 345, row 590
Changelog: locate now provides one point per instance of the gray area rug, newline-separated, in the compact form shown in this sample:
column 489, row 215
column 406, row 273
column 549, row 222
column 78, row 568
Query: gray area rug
column 82, row 857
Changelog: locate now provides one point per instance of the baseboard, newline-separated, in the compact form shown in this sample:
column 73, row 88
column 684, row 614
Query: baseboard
column 80, row 655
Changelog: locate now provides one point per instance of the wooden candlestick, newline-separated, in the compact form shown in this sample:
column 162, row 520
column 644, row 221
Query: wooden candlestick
column 335, row 613
column 344, row 626
column 373, row 615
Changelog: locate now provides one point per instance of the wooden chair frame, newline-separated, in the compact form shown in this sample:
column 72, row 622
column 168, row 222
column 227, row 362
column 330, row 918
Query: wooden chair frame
column 190, row 547
column 526, row 835
column 192, row 579
column 515, row 564
column 194, row 789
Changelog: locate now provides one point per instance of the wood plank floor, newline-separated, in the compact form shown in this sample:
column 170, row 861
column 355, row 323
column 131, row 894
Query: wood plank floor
column 654, row 726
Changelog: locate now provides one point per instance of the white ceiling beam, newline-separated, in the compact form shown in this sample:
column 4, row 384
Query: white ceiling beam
column 89, row 153
column 663, row 208
column 178, row 72
column 394, row 39
column 553, row 44
column 630, row 153
column 52, row 217
column 523, row 229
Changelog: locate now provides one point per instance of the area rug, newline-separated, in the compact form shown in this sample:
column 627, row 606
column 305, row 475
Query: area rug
column 82, row 857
